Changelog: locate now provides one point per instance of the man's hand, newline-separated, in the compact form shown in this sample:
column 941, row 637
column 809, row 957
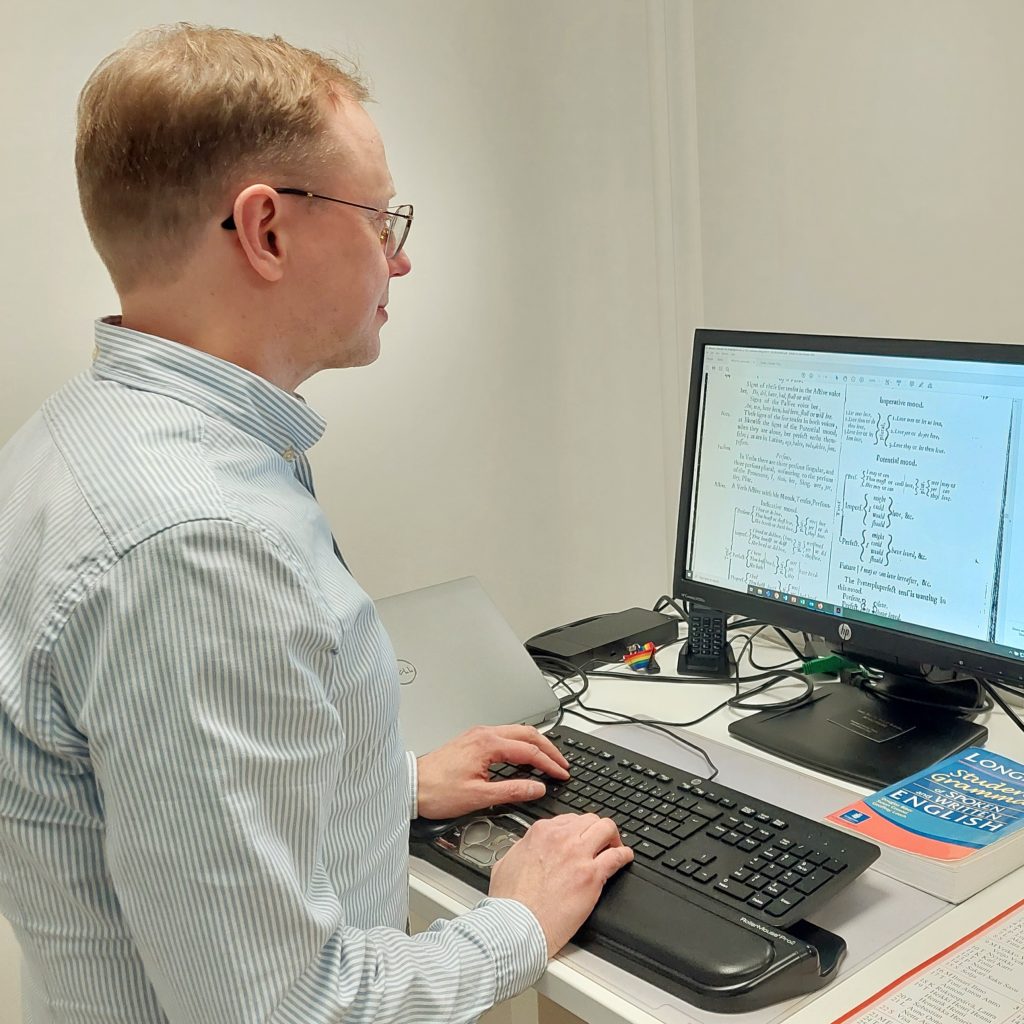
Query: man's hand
column 455, row 779
column 558, row 870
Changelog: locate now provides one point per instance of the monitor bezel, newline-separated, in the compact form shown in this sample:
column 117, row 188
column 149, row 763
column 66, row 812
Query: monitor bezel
column 866, row 641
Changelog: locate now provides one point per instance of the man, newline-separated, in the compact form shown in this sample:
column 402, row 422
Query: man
column 204, row 803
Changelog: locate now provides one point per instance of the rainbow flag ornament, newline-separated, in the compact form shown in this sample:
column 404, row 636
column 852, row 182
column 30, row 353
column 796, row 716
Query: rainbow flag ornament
column 638, row 657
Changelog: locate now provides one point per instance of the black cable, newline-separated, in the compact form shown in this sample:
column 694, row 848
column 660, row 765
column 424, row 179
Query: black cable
column 658, row 678
column 770, row 668
column 670, row 602
column 993, row 687
column 742, row 624
column 984, row 703
column 789, row 643
column 741, row 703
column 647, row 723
column 573, row 695
column 576, row 697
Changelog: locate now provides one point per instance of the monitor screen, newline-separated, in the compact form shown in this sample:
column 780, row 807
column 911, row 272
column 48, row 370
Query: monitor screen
column 869, row 491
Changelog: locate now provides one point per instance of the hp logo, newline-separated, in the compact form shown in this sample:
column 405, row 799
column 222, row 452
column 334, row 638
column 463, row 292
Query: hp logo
column 845, row 633
column 406, row 672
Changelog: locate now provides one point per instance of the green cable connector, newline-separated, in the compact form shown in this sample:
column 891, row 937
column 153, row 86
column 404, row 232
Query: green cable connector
column 830, row 665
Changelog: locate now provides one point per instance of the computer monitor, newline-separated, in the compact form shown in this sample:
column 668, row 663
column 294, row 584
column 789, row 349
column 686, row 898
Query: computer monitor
column 868, row 491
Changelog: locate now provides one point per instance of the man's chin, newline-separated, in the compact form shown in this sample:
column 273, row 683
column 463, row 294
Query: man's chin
column 366, row 355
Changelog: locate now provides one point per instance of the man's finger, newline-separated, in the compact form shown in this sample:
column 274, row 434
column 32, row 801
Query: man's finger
column 601, row 833
column 524, row 753
column 528, row 734
column 514, row 791
column 611, row 860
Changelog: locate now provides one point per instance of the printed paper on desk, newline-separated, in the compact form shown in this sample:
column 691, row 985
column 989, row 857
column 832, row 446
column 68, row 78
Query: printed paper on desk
column 976, row 980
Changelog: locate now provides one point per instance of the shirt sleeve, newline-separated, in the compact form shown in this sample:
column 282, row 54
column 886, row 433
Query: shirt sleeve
column 202, row 662
column 414, row 803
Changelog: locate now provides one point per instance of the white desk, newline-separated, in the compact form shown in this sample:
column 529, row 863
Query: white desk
column 643, row 695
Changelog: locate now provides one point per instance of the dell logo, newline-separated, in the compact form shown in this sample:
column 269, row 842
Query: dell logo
column 845, row 633
column 406, row 672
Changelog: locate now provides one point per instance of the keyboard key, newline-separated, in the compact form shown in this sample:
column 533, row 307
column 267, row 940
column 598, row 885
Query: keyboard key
column 706, row 810
column 663, row 839
column 647, row 849
column 813, row 882
column 781, row 906
column 737, row 890
column 687, row 827
column 759, row 901
column 833, row 865
column 705, row 875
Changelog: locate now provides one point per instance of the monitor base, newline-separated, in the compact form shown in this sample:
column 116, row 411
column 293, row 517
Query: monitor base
column 852, row 734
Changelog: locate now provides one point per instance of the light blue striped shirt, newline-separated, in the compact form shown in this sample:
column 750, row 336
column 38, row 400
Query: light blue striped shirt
column 204, row 797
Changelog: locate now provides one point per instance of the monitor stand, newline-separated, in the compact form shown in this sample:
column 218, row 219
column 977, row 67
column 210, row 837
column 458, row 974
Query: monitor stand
column 864, row 738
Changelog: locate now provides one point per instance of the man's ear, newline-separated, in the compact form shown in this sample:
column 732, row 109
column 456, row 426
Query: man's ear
column 257, row 212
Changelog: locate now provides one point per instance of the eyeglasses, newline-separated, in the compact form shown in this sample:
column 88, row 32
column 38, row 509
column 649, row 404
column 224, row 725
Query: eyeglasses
column 393, row 233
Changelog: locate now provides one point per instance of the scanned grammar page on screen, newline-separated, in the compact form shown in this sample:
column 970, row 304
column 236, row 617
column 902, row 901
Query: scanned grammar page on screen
column 977, row 980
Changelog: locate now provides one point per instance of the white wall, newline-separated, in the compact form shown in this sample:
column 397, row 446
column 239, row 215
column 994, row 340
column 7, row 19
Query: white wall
column 860, row 166
column 513, row 427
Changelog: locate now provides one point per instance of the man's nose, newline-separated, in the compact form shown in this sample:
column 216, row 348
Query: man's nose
column 401, row 264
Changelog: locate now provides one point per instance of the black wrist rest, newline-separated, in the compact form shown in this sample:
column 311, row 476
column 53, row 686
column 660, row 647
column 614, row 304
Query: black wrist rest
column 708, row 954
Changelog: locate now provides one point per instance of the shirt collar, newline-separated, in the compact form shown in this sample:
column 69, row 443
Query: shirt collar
column 230, row 392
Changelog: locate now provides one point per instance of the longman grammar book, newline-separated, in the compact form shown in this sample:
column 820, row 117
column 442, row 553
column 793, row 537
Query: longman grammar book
column 950, row 829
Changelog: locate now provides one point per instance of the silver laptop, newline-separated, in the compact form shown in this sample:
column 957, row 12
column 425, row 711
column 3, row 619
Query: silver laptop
column 460, row 665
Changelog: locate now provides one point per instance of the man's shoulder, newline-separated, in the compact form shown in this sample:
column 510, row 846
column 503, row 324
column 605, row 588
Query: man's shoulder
column 143, row 462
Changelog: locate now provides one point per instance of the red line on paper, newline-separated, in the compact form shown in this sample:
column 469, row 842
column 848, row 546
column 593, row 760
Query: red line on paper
column 927, row 963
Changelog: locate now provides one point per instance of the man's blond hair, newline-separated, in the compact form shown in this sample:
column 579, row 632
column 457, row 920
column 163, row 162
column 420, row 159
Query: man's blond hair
column 172, row 122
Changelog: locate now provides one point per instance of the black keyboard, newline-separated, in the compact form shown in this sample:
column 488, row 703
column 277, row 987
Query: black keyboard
column 700, row 836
